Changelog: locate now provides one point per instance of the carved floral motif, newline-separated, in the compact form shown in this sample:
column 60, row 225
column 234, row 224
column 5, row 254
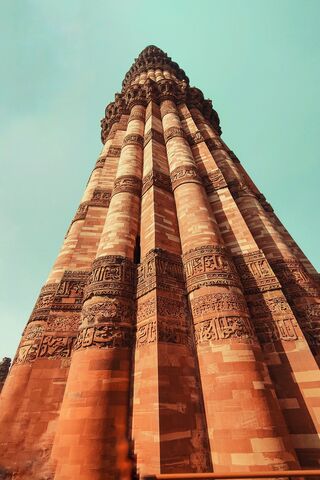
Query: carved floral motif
column 107, row 310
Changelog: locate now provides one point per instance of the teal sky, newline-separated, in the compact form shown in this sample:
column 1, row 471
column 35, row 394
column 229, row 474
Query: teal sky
column 61, row 63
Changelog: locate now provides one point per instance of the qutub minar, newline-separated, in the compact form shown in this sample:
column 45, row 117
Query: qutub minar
column 179, row 328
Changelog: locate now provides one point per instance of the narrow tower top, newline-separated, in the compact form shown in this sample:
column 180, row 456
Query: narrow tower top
column 153, row 57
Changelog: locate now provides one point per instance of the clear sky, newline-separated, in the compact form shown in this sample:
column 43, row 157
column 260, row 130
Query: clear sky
column 61, row 63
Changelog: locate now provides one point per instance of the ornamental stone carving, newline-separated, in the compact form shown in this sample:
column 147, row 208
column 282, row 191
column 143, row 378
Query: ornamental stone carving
column 158, row 92
column 218, row 302
column 44, row 303
column 165, row 332
column 53, row 346
column 173, row 132
column 214, row 181
column 100, row 162
column 155, row 178
column 185, row 174
column 195, row 138
column 223, row 328
column 111, row 275
column 109, row 335
column 255, row 273
column 107, row 310
column 209, row 265
column 153, row 134
column 100, row 198
column 162, row 270
column 133, row 139
column 127, row 183
column 294, row 278
column 278, row 329
column 114, row 151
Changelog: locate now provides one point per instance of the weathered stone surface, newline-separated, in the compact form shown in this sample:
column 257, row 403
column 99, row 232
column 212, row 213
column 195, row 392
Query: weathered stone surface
column 180, row 324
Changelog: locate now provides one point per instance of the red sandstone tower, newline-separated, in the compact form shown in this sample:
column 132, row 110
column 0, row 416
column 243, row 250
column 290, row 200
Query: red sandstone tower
column 179, row 315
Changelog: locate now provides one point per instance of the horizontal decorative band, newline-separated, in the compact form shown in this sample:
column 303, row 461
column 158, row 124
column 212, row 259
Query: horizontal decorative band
column 164, row 332
column 153, row 134
column 184, row 174
column 100, row 162
column 114, row 152
column 100, row 198
column 111, row 275
column 109, row 335
column 160, row 269
column 137, row 115
column 214, row 181
column 218, row 302
column 163, row 306
column 173, row 132
column 66, row 295
column 157, row 179
column 294, row 278
column 50, row 346
column 269, row 331
column 159, row 93
column 255, row 273
column 209, row 265
column 133, row 139
column 107, row 310
column 127, row 183
column 195, row 138
column 224, row 328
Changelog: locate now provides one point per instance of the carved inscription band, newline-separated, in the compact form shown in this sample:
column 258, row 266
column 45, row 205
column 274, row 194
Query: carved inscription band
column 173, row 132
column 111, row 275
column 156, row 179
column 209, row 265
column 162, row 270
column 225, row 327
column 184, row 174
column 256, row 273
column 127, row 183
column 133, row 139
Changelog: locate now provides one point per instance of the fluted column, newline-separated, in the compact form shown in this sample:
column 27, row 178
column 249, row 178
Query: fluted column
column 283, row 342
column 33, row 393
column 95, row 410
column 300, row 287
column 240, row 404
column 168, row 425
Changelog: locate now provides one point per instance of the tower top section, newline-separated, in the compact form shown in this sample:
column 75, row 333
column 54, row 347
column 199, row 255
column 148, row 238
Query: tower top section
column 155, row 77
column 153, row 58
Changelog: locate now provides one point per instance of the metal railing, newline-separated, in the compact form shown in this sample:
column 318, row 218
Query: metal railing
column 290, row 474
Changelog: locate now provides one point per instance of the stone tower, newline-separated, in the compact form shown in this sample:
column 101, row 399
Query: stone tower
column 180, row 319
